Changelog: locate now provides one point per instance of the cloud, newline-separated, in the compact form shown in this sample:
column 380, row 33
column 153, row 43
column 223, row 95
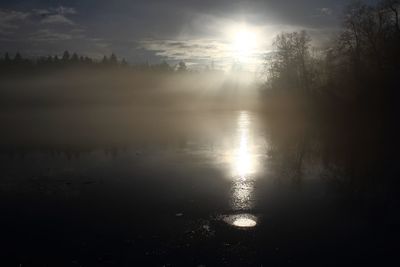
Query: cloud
column 66, row 10
column 57, row 19
column 201, row 52
column 323, row 12
column 53, row 35
column 10, row 19
column 56, row 15
column 49, row 35
column 61, row 10
column 326, row 11
column 20, row 26
column 199, row 49
column 12, row 15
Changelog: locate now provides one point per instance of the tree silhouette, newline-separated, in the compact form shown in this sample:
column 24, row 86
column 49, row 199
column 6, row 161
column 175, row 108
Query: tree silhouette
column 56, row 60
column 17, row 58
column 7, row 58
column 105, row 60
column 289, row 65
column 113, row 59
column 124, row 63
column 65, row 56
column 360, row 66
column 75, row 58
column 182, row 67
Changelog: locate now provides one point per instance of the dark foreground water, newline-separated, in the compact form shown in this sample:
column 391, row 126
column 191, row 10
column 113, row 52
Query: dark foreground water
column 234, row 188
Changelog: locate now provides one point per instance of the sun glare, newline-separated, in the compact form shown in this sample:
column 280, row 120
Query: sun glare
column 244, row 43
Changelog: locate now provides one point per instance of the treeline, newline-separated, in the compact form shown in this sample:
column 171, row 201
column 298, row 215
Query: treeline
column 19, row 64
column 348, row 95
column 360, row 65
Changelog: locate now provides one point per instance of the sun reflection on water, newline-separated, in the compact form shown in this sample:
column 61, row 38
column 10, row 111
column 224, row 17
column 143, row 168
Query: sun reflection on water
column 243, row 164
column 241, row 220
column 243, row 168
column 244, row 222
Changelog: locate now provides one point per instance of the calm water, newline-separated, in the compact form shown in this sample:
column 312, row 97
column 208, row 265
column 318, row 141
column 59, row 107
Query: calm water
column 219, row 188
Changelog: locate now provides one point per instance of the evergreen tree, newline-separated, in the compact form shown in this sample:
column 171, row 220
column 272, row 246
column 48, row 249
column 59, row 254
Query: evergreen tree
column 7, row 58
column 56, row 59
column 75, row 58
column 104, row 60
column 88, row 60
column 113, row 59
column 18, row 58
column 65, row 56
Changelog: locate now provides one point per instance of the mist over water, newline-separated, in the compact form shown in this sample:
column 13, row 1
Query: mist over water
column 110, row 179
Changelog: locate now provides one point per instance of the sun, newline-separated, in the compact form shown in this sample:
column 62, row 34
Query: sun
column 244, row 43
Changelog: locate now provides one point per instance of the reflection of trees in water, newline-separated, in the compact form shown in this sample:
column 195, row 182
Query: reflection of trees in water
column 346, row 152
column 69, row 153
column 353, row 152
column 287, row 149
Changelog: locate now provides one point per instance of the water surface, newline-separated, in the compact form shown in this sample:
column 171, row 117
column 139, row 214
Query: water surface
column 174, row 188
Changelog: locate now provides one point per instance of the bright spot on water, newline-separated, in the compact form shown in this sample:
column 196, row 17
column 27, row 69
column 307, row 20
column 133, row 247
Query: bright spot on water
column 242, row 194
column 244, row 222
column 241, row 220
column 244, row 163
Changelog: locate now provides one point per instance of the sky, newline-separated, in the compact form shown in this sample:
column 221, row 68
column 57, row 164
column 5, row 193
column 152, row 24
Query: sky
column 197, row 32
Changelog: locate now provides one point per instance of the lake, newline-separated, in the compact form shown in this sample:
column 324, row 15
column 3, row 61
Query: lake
column 129, row 187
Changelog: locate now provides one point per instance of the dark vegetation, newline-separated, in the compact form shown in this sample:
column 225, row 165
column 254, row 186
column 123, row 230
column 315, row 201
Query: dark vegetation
column 18, row 65
column 361, row 65
column 350, row 89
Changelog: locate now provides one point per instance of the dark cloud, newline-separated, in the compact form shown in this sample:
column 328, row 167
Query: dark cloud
column 10, row 20
column 58, row 15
